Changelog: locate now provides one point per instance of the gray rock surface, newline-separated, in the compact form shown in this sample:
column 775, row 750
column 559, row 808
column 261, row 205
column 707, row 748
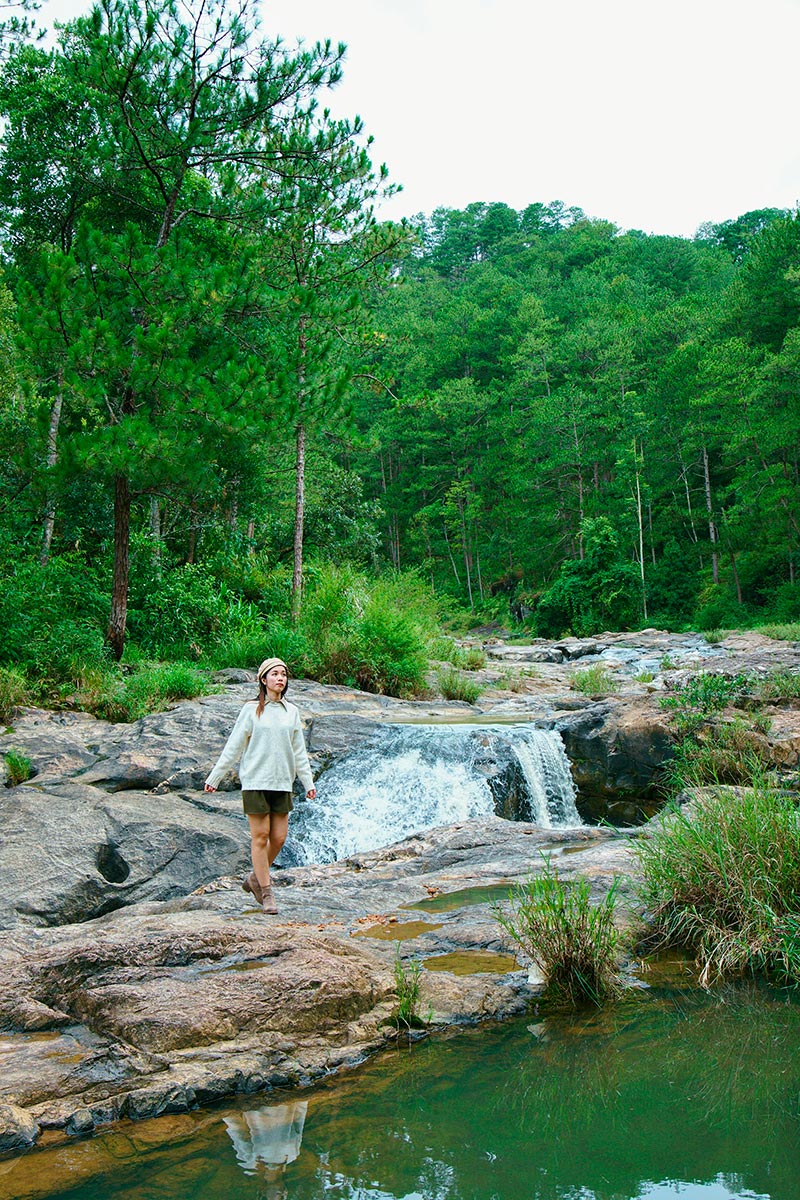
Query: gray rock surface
column 158, row 1007
column 137, row 979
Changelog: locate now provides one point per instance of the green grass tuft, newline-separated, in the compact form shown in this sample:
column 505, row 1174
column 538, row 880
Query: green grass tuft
column 722, row 879
column 406, row 982
column 596, row 680
column 455, row 686
column 573, row 942
column 18, row 766
column 789, row 632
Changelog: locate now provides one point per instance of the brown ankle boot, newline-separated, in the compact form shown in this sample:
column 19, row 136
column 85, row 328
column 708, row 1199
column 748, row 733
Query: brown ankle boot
column 251, row 884
column 268, row 900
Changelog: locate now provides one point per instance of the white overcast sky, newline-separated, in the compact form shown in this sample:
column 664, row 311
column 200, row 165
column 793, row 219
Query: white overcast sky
column 654, row 114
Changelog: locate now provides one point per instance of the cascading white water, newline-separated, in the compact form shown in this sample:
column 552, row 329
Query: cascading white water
column 414, row 777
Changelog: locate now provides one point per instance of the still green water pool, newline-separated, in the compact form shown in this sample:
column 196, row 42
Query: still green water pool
column 668, row 1095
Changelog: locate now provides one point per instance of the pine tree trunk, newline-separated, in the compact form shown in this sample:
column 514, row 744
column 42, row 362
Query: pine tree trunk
column 119, row 592
column 155, row 527
column 712, row 529
column 52, row 459
column 299, row 517
column 641, row 531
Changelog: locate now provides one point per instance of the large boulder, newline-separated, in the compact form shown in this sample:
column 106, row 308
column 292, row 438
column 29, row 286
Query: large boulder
column 618, row 751
column 72, row 852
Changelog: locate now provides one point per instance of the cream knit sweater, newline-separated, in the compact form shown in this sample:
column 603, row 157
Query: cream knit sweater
column 270, row 749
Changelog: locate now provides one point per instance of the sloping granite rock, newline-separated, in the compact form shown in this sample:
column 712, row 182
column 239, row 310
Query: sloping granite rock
column 73, row 852
column 163, row 1007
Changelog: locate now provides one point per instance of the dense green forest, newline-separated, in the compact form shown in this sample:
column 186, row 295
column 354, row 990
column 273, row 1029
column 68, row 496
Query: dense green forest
column 237, row 411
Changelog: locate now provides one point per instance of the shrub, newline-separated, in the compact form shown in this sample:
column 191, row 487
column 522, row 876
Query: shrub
column 722, row 879
column 600, row 591
column 18, row 766
column 596, row 680
column 391, row 658
column 719, row 609
column 786, row 603
column 572, row 941
column 455, row 686
column 14, row 691
column 52, row 618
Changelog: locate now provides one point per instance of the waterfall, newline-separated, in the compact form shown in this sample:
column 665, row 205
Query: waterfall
column 413, row 777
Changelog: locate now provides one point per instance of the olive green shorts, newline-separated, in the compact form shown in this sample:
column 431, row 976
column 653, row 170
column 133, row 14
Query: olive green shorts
column 258, row 803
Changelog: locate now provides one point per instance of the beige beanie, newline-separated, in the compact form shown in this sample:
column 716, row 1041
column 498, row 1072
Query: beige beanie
column 268, row 664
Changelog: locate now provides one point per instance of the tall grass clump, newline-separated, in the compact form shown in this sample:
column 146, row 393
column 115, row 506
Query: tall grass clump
column 596, row 680
column 573, row 942
column 731, row 753
column 722, row 880
column 788, row 632
column 453, row 685
column 406, row 983
column 14, row 691
column 468, row 658
column 122, row 697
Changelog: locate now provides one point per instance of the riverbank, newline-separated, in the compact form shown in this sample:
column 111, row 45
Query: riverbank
column 134, row 978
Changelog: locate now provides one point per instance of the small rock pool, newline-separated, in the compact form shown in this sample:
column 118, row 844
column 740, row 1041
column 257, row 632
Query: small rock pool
column 673, row 1094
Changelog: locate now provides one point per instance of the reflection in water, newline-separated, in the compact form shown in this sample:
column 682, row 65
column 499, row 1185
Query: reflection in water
column 667, row 1095
column 266, row 1140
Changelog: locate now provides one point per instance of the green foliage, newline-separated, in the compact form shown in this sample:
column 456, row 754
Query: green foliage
column 777, row 686
column 468, row 658
column 720, row 610
column 124, row 696
column 706, row 692
column 594, row 593
column 596, row 680
column 722, row 879
column 51, row 617
column 782, row 633
column 19, row 768
column 407, row 987
column 723, row 752
column 574, row 942
column 453, row 685
column 14, row 691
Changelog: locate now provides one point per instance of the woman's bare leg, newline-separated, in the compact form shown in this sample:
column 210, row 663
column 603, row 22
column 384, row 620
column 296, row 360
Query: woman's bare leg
column 279, row 826
column 260, row 846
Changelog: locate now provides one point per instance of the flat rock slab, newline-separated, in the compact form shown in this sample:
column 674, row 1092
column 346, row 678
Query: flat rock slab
column 161, row 1007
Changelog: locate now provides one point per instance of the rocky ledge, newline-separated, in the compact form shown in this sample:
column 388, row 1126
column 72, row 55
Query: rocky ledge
column 137, row 980
column 163, row 1006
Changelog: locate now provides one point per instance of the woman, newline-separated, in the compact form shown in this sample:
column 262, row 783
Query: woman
column 267, row 742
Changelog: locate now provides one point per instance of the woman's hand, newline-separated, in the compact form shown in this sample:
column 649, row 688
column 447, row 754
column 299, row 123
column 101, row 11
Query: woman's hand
column 311, row 794
column 208, row 788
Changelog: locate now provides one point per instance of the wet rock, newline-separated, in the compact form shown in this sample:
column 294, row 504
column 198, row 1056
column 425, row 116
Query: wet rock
column 179, row 1004
column 80, row 1123
column 18, row 1129
column 617, row 750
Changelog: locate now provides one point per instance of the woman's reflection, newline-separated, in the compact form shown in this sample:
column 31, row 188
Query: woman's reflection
column 266, row 1140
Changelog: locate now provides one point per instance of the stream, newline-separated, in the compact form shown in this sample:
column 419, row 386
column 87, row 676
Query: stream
column 409, row 778
column 672, row 1094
